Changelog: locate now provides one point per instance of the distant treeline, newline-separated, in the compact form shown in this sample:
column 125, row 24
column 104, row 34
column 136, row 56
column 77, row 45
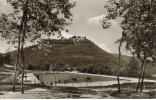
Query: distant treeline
column 131, row 69
column 5, row 59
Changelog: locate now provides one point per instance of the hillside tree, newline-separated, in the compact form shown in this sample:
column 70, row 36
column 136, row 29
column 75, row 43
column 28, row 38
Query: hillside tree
column 132, row 68
column 31, row 19
column 138, row 24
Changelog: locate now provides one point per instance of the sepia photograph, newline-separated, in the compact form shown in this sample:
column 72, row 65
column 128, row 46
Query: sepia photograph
column 77, row 49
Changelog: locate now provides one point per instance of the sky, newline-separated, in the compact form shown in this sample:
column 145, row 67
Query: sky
column 86, row 22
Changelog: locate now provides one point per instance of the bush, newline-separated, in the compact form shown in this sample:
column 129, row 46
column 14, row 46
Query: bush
column 30, row 67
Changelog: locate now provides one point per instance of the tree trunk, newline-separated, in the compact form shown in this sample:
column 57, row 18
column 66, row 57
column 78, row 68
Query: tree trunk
column 22, row 88
column 55, row 75
column 118, row 78
column 140, row 75
column 18, row 54
column 16, row 65
column 118, row 68
column 14, row 81
column 23, row 63
column 142, row 81
column 23, row 41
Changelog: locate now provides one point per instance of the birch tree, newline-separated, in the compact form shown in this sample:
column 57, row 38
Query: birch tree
column 138, row 24
column 31, row 19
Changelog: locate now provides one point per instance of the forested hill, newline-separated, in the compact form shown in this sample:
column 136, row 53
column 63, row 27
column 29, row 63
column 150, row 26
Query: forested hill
column 76, row 52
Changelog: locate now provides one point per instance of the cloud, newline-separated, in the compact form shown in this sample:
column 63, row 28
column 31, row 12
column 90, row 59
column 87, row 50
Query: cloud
column 5, row 47
column 3, row 2
column 5, row 7
column 66, row 35
column 57, row 36
column 96, row 20
column 104, row 47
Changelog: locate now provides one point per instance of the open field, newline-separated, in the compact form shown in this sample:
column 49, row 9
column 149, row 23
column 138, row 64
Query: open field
column 105, row 88
column 98, row 86
column 98, row 92
column 5, row 71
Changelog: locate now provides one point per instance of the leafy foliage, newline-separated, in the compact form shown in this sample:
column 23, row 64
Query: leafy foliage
column 30, row 20
column 43, row 17
column 138, row 24
column 132, row 68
